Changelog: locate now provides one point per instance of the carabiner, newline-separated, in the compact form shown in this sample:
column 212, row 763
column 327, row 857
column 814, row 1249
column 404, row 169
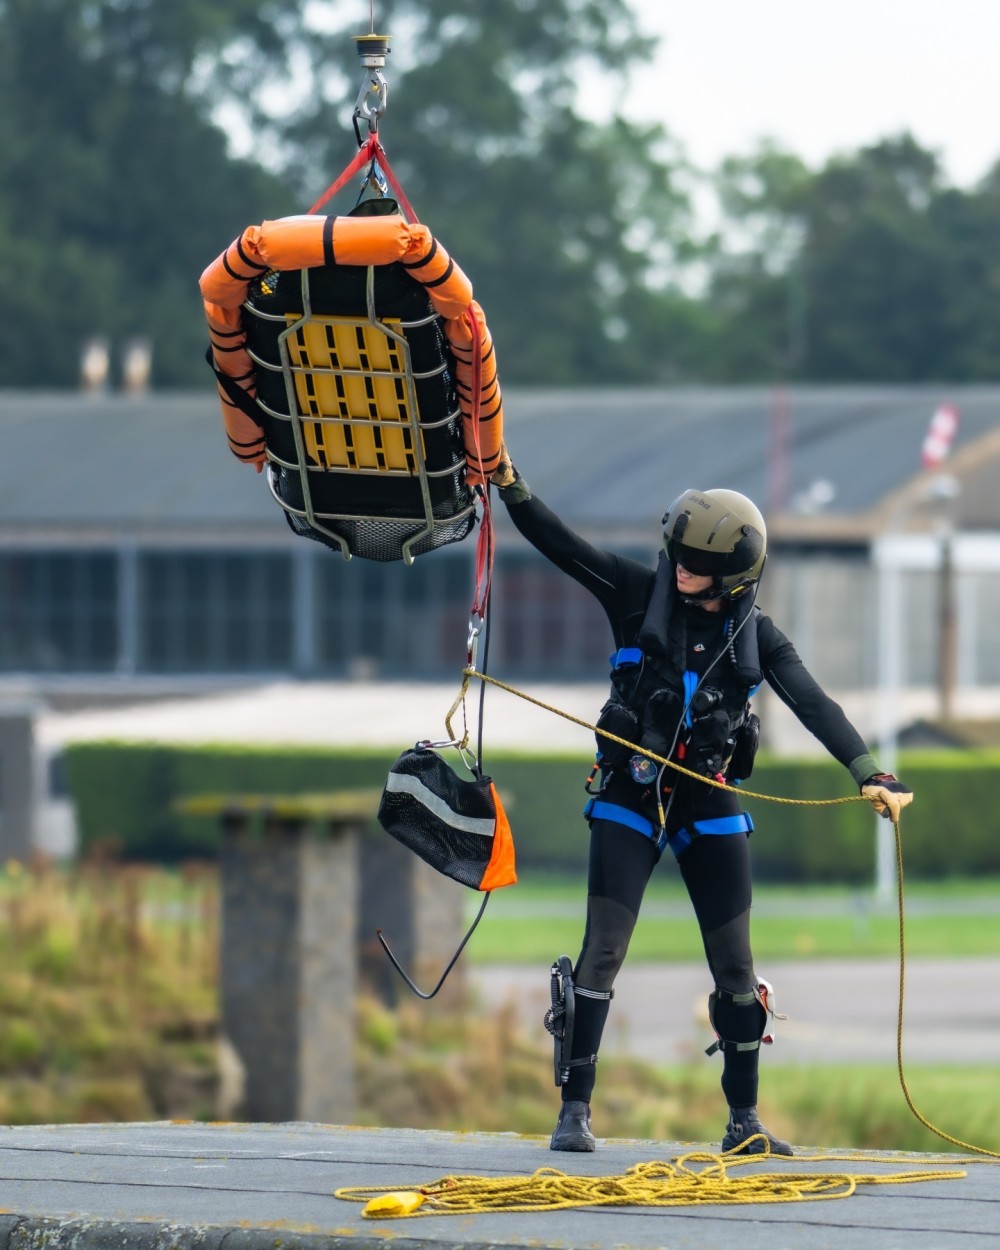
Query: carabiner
column 375, row 181
column 472, row 643
column 588, row 784
column 460, row 744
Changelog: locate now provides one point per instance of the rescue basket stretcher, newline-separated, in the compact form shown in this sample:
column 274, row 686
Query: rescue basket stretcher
column 354, row 364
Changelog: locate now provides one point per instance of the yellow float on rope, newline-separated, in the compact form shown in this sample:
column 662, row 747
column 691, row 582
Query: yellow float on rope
column 399, row 1202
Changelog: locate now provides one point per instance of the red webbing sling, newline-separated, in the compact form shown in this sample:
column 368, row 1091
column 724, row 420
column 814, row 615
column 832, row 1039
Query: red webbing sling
column 370, row 150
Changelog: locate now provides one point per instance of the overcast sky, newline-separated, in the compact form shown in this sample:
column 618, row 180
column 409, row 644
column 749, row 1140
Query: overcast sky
column 822, row 78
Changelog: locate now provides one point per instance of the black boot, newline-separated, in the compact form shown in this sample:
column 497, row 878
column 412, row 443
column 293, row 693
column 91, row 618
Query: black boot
column 572, row 1131
column 744, row 1123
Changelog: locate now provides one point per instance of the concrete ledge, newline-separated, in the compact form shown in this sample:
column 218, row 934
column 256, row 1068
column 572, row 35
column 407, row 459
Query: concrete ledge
column 264, row 1187
column 51, row 1234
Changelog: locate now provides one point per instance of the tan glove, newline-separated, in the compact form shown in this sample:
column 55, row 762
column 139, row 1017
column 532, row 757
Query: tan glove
column 887, row 795
column 504, row 474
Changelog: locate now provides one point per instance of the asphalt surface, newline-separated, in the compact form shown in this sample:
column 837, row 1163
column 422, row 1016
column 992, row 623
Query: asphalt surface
column 185, row 1186
column 251, row 1187
column 838, row 1011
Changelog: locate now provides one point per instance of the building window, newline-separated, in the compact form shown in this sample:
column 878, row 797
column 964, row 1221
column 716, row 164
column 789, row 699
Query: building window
column 58, row 612
column 824, row 603
column 977, row 601
column 920, row 628
column 215, row 612
column 546, row 624
column 387, row 620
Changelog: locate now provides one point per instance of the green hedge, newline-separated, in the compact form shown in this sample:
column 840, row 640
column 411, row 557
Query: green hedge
column 126, row 795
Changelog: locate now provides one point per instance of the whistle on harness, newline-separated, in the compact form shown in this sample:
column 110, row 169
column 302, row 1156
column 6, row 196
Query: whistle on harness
column 560, row 1016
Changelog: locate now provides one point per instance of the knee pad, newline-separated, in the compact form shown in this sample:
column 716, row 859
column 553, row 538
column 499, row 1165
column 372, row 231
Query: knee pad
column 560, row 1017
column 740, row 1021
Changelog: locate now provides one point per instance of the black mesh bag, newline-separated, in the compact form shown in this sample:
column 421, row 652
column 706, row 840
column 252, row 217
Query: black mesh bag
column 457, row 826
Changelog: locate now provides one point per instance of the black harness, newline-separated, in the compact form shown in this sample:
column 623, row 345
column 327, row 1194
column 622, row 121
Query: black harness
column 701, row 718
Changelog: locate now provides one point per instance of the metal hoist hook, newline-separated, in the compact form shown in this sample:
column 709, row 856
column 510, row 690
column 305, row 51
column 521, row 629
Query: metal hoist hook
column 374, row 94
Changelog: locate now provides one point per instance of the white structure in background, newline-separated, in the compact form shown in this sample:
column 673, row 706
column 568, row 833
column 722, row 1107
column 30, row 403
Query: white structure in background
column 95, row 364
column 36, row 814
column 137, row 365
column 893, row 554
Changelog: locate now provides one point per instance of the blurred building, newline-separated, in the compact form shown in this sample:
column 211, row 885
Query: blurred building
column 137, row 555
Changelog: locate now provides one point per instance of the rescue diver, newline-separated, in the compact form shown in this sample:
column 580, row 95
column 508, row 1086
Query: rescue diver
column 691, row 648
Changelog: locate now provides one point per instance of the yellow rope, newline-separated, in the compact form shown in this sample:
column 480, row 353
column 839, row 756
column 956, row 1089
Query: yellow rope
column 991, row 1155
column 708, row 781
column 655, row 1184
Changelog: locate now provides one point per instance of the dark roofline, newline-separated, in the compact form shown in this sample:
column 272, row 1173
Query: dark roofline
column 156, row 467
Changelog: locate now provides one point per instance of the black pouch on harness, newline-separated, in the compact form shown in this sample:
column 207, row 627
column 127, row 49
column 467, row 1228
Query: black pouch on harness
column 457, row 826
column 745, row 751
column 659, row 721
column 621, row 721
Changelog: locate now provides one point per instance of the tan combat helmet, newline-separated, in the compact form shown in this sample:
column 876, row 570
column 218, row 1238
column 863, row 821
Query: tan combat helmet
column 718, row 534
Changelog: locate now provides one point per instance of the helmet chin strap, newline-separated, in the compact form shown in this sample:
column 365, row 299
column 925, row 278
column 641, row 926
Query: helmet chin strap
column 704, row 596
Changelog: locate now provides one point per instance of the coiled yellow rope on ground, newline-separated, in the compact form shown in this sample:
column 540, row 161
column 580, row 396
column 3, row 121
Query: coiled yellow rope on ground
column 658, row 1183
column 991, row 1156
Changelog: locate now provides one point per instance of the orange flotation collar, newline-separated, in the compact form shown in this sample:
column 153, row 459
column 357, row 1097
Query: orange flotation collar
column 307, row 242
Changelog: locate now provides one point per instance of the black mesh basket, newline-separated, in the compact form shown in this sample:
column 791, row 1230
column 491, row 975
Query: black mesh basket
column 375, row 516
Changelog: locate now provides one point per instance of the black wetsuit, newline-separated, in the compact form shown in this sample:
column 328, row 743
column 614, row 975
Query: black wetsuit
column 715, row 869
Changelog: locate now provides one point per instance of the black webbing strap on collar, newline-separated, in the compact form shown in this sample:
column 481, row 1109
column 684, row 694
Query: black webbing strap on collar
column 235, row 393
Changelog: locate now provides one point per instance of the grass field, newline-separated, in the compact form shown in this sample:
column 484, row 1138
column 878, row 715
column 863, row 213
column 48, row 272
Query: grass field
column 110, row 1007
column 842, row 1107
column 948, row 918
column 108, row 996
column 419, row 1069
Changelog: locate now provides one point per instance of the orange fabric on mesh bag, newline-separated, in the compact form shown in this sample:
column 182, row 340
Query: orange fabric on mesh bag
column 500, row 871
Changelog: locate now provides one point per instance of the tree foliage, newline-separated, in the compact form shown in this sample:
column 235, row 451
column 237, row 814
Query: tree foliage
column 118, row 184
column 115, row 187
column 871, row 269
column 559, row 219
